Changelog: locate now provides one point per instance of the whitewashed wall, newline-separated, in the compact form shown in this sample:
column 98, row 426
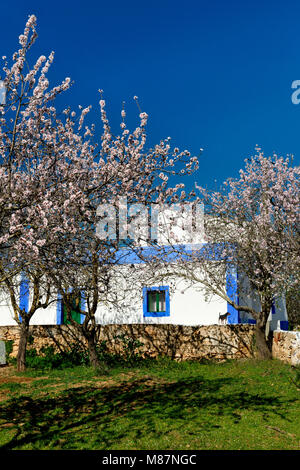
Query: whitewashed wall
column 41, row 317
column 187, row 307
column 188, row 304
column 6, row 311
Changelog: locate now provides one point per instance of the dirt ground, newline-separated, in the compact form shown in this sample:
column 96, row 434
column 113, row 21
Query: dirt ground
column 7, row 375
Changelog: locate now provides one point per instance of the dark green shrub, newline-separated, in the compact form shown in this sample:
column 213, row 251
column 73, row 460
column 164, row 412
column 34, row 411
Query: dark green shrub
column 131, row 348
column 47, row 358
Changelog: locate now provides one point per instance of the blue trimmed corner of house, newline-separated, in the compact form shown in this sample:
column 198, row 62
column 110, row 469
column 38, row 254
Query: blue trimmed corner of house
column 166, row 313
column 251, row 321
column 232, row 292
column 24, row 294
column 284, row 324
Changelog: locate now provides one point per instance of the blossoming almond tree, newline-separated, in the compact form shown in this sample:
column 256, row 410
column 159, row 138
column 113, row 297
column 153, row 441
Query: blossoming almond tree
column 36, row 147
column 252, row 223
column 80, row 261
column 54, row 175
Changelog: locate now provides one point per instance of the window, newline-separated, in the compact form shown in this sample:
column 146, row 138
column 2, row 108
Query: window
column 77, row 304
column 156, row 301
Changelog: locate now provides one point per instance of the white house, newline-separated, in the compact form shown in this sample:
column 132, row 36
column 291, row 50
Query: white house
column 171, row 301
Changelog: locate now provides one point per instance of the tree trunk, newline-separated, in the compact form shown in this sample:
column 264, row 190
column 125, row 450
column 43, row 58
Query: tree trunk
column 93, row 355
column 263, row 344
column 21, row 357
column 93, row 351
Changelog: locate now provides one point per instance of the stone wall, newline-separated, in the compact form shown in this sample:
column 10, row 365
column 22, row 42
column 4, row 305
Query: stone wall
column 286, row 346
column 219, row 342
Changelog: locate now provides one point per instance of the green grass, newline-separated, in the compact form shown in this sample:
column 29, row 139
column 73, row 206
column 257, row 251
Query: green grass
column 160, row 405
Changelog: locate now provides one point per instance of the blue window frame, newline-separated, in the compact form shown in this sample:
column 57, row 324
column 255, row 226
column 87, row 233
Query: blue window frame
column 156, row 301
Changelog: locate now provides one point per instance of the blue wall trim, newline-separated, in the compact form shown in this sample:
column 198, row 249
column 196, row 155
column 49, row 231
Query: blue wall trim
column 145, row 303
column 24, row 294
column 59, row 310
column 82, row 306
column 232, row 292
column 169, row 254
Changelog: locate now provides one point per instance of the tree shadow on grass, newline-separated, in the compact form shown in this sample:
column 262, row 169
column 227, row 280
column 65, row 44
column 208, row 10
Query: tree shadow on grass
column 92, row 417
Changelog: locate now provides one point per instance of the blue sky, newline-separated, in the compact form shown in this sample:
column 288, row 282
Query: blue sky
column 211, row 74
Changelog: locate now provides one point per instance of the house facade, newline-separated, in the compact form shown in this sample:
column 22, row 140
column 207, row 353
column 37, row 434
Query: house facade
column 140, row 297
column 173, row 301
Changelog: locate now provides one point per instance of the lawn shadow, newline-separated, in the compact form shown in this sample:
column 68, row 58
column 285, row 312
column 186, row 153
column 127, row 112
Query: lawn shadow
column 77, row 414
